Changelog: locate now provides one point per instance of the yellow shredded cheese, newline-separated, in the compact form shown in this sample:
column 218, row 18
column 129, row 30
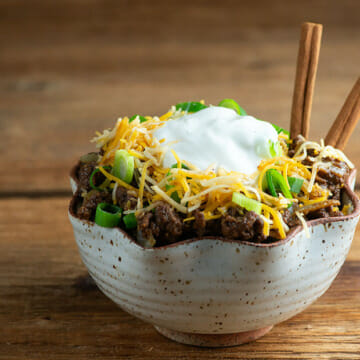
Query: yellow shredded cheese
column 168, row 199
column 142, row 184
column 276, row 219
column 210, row 190
column 178, row 161
column 117, row 180
column 266, row 229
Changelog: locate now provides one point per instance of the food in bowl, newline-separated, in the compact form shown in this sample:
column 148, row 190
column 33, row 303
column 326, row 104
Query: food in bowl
column 201, row 170
column 213, row 225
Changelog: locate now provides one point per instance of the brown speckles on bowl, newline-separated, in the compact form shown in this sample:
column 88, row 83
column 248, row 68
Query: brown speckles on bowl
column 255, row 285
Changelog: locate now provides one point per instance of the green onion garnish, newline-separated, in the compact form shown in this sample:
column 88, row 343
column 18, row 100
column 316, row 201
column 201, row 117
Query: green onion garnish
column 232, row 104
column 191, row 106
column 130, row 221
column 274, row 182
column 107, row 215
column 91, row 179
column 183, row 166
column 246, row 203
column 280, row 130
column 175, row 196
column 141, row 118
column 123, row 166
column 168, row 187
column 270, row 184
column 274, row 148
column 295, row 184
column 174, row 166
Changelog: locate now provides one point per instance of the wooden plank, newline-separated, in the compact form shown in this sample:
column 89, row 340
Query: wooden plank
column 48, row 309
column 68, row 68
column 51, row 103
column 143, row 19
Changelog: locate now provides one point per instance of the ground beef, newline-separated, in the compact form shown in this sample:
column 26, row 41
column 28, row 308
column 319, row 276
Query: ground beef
column 334, row 213
column 125, row 199
column 199, row 224
column 167, row 226
column 147, row 226
column 164, row 224
column 292, row 220
column 294, row 145
column 169, row 222
column 90, row 201
column 334, row 177
column 83, row 174
column 311, row 153
column 324, row 213
column 290, row 217
column 213, row 227
column 331, row 178
column 336, row 173
column 248, row 227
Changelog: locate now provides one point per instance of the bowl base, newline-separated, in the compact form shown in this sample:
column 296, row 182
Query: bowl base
column 213, row 340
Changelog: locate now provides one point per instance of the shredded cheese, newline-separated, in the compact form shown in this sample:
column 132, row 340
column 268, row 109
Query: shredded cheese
column 210, row 190
column 303, row 223
column 168, row 199
column 142, row 184
column 276, row 220
column 117, row 180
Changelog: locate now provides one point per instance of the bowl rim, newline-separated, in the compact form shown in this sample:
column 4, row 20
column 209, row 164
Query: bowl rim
column 296, row 230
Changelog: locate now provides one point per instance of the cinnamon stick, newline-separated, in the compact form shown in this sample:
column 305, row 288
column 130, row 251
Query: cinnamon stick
column 308, row 58
column 346, row 121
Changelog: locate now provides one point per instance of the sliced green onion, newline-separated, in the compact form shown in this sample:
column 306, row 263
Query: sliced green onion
column 91, row 179
column 141, row 118
column 274, row 148
column 191, row 106
column 107, row 215
column 123, row 166
column 270, row 184
column 232, row 104
column 246, row 203
column 175, row 197
column 275, row 181
column 280, row 130
column 295, row 184
column 168, row 187
column 183, row 166
column 174, row 166
column 130, row 221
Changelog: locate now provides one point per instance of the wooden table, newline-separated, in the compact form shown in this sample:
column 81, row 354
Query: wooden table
column 69, row 68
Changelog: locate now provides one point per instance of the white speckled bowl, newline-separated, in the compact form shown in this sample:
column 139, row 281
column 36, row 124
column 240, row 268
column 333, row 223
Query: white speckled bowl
column 213, row 291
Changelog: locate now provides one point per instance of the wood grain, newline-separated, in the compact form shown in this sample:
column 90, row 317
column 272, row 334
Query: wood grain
column 50, row 310
column 68, row 69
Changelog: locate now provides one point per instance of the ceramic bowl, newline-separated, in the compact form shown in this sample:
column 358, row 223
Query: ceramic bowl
column 213, row 291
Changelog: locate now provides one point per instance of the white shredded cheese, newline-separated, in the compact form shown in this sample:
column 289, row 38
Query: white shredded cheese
column 303, row 223
column 172, row 202
column 113, row 194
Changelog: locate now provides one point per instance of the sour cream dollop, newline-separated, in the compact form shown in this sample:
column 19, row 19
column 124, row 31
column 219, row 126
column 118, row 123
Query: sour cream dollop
column 221, row 136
